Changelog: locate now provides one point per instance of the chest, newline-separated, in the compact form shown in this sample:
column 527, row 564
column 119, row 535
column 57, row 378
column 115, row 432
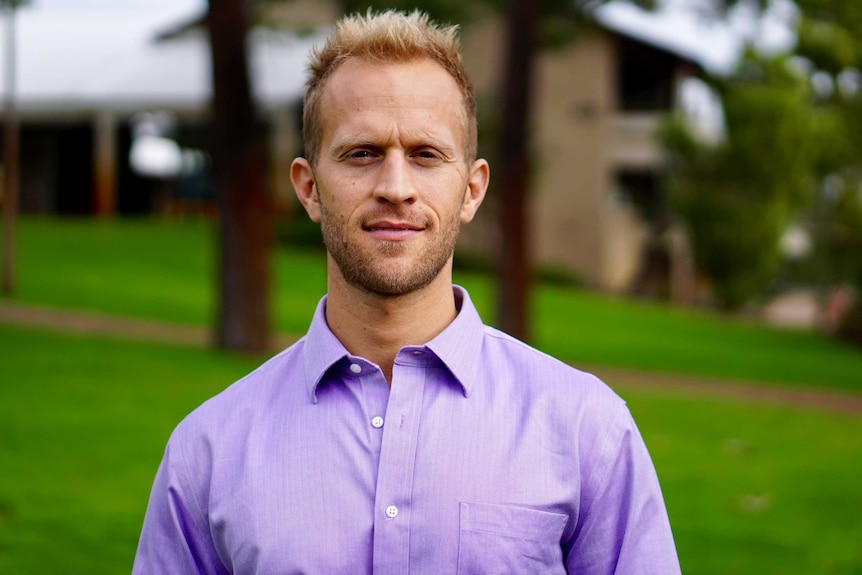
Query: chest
column 417, row 479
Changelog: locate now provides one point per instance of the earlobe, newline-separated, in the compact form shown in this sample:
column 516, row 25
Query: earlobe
column 477, row 185
column 302, row 178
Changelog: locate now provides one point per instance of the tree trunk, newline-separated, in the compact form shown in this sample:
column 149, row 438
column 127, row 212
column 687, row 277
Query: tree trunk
column 8, row 267
column 245, row 204
column 514, row 265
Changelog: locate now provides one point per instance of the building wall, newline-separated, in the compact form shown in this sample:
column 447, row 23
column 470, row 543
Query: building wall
column 575, row 226
column 579, row 222
column 572, row 122
column 632, row 147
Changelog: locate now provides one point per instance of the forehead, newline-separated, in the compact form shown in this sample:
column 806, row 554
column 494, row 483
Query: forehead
column 361, row 95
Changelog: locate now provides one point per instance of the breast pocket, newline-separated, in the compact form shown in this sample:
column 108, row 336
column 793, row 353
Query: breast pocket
column 507, row 540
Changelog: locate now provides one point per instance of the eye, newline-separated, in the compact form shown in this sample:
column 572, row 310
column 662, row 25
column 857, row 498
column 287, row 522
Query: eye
column 361, row 156
column 427, row 156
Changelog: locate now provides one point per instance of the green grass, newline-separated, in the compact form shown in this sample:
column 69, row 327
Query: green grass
column 148, row 268
column 166, row 270
column 754, row 488
column 750, row 488
column 605, row 330
column 84, row 422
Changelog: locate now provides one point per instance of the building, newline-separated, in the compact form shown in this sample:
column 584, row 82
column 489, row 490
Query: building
column 88, row 85
column 598, row 102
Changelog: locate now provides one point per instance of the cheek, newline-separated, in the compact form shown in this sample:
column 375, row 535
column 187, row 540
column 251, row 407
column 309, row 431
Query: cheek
column 341, row 208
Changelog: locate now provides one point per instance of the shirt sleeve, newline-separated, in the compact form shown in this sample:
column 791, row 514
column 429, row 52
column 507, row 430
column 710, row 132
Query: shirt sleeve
column 175, row 538
column 623, row 527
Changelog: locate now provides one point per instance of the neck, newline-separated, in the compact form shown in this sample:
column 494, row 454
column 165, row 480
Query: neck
column 376, row 327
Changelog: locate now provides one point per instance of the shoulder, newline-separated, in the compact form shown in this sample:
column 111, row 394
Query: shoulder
column 278, row 381
column 535, row 369
column 571, row 407
column 566, row 398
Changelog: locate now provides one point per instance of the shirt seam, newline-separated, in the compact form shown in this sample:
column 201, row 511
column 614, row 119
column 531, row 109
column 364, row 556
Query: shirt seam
column 185, row 480
column 609, row 453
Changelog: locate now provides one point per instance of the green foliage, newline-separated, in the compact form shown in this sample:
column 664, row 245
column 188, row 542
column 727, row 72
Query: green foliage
column 829, row 32
column 836, row 223
column 737, row 197
column 828, row 45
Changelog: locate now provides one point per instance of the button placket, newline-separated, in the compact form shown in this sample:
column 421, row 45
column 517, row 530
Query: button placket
column 397, row 461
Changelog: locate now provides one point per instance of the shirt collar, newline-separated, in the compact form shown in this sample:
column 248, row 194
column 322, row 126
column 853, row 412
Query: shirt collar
column 458, row 346
column 321, row 350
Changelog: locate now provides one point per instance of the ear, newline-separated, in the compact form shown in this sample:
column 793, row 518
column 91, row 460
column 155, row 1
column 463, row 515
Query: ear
column 302, row 177
column 477, row 185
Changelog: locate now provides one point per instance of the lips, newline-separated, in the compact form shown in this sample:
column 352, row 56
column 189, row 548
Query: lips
column 386, row 225
column 392, row 230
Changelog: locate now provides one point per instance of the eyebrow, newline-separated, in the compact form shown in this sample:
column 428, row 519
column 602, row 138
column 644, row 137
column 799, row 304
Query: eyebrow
column 349, row 144
column 345, row 145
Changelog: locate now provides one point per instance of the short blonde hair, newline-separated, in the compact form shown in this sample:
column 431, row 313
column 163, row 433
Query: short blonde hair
column 380, row 38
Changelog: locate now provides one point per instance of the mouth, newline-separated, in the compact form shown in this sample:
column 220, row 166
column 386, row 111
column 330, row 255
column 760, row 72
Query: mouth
column 391, row 230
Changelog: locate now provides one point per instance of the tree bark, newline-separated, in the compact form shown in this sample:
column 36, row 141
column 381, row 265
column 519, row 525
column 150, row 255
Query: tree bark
column 244, row 200
column 8, row 273
column 514, row 265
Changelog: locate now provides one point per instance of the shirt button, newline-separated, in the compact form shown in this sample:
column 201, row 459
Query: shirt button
column 391, row 512
column 377, row 422
column 418, row 352
column 355, row 368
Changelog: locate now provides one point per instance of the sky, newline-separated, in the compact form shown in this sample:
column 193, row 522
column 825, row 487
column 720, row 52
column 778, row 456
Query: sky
column 107, row 31
column 166, row 6
column 715, row 43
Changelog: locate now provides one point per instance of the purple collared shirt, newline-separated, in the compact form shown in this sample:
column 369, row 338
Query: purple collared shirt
column 485, row 456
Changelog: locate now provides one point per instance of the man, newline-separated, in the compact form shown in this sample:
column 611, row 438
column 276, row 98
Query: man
column 401, row 435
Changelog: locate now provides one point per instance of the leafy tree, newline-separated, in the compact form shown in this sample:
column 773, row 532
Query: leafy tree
column 738, row 197
column 795, row 124
column 829, row 39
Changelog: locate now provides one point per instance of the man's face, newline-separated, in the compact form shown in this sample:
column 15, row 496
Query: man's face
column 391, row 185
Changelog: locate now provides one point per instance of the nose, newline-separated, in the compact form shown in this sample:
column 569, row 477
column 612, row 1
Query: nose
column 395, row 183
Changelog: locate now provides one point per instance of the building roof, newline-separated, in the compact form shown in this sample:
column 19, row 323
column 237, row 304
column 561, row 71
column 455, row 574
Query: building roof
column 69, row 63
column 691, row 31
column 79, row 61
column 676, row 33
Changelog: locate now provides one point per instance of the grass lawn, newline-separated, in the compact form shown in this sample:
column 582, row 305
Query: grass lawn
column 166, row 270
column 755, row 488
column 750, row 488
column 84, row 423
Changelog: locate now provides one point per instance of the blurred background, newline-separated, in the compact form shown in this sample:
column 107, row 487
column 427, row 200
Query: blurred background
column 676, row 205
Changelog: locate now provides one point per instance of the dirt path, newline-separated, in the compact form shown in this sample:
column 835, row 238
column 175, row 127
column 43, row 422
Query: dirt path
column 701, row 386
column 95, row 323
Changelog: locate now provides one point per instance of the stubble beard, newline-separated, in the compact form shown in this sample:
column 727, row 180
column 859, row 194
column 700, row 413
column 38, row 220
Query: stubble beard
column 366, row 267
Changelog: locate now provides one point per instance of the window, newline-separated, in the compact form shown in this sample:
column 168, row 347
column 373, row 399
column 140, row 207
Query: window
column 646, row 77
